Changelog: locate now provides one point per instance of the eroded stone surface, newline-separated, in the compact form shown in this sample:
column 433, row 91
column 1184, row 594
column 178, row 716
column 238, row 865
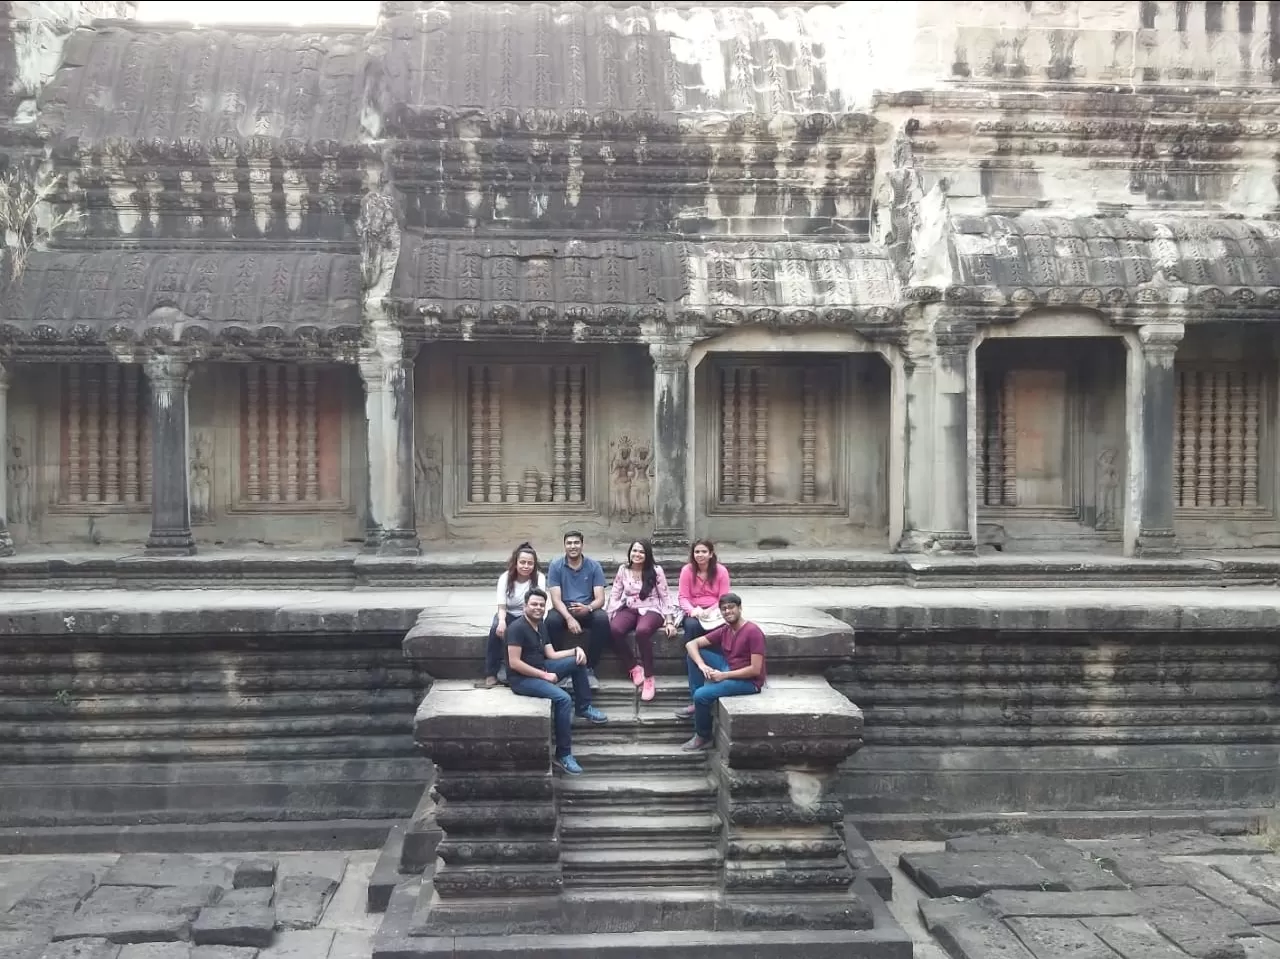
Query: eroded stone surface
column 82, row 949
column 253, row 873
column 235, row 926
column 152, row 869
column 126, row 927
column 300, row 900
column 1172, row 897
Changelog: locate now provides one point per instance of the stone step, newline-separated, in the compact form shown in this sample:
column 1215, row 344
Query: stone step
column 649, row 866
column 648, row 755
column 617, row 829
column 606, row 790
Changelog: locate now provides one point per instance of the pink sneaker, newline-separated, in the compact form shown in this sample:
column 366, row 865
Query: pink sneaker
column 637, row 675
column 648, row 690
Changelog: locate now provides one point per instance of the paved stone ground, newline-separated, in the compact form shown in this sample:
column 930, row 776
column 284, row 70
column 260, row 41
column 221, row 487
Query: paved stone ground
column 1169, row 896
column 147, row 906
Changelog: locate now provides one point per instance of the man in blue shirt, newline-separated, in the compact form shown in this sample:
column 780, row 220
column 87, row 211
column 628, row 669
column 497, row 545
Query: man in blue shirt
column 576, row 585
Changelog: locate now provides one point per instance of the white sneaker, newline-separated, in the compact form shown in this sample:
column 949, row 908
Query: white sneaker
column 591, row 679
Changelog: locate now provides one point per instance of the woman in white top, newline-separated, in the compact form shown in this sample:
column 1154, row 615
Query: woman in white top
column 513, row 585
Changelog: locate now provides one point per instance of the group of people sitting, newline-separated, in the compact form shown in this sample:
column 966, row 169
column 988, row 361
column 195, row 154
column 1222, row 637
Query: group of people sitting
column 540, row 620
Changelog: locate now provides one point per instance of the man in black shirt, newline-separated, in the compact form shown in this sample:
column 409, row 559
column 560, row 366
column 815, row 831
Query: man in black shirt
column 534, row 667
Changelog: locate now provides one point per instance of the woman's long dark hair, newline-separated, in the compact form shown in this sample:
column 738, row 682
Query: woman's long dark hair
column 711, row 560
column 649, row 571
column 515, row 558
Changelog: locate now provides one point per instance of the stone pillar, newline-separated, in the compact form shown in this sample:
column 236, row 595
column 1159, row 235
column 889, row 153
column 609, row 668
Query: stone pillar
column 6, row 539
column 1159, row 394
column 778, row 754
column 388, row 390
column 672, row 451
column 170, row 475
column 939, row 476
column 498, row 869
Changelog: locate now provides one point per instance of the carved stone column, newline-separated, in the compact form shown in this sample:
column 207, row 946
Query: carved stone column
column 499, row 856
column 936, row 501
column 1159, row 389
column 671, row 446
column 6, row 539
column 785, row 857
column 388, row 391
column 170, row 493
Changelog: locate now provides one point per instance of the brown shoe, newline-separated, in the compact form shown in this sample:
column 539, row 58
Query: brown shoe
column 685, row 712
column 696, row 744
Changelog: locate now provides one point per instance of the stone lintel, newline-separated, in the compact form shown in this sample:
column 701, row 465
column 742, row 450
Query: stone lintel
column 795, row 722
column 459, row 723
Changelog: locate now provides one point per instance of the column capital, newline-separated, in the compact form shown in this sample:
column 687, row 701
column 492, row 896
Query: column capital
column 1159, row 339
column 168, row 372
column 670, row 357
column 954, row 338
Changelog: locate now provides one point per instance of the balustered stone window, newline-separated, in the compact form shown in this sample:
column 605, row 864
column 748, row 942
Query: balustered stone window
column 290, row 438
column 105, row 438
column 779, row 428
column 525, row 435
column 1218, row 433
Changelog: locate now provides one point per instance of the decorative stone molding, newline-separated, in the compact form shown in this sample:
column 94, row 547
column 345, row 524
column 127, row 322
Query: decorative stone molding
column 499, row 871
column 777, row 755
column 1160, row 340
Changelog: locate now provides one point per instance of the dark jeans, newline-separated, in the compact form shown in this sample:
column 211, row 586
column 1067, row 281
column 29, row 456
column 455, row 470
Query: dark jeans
column 562, row 705
column 495, row 650
column 596, row 625
column 625, row 621
column 693, row 628
column 705, row 693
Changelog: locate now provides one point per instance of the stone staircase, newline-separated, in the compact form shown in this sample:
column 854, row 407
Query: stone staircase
column 644, row 813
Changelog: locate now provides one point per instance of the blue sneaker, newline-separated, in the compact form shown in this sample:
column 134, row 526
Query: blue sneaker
column 593, row 715
column 569, row 765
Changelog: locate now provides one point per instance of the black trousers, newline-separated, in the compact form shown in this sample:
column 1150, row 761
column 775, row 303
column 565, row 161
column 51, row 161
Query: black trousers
column 596, row 625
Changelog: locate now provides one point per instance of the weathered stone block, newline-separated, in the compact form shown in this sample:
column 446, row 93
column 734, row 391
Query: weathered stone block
column 184, row 901
column 1062, row 905
column 972, row 874
column 1059, row 937
column 82, row 949
column 1259, row 876
column 967, row 931
column 126, row 927
column 1193, row 922
column 793, row 721
column 1216, row 886
column 249, row 896
column 234, row 926
column 158, row 869
column 254, row 872
column 300, row 901
column 1133, row 938
column 52, row 898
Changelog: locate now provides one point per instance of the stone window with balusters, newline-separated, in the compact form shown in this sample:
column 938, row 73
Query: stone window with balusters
column 105, row 456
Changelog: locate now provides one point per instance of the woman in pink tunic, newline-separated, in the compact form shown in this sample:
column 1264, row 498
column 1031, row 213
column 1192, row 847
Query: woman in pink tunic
column 639, row 601
column 703, row 581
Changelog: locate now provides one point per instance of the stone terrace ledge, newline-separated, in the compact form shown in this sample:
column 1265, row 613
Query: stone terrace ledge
column 210, row 611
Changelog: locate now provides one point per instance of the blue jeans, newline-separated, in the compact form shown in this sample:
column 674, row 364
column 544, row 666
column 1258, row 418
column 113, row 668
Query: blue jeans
column 693, row 628
column 495, row 650
column 705, row 693
column 562, row 706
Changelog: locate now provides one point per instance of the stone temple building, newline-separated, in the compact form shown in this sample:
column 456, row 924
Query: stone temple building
column 884, row 295
column 903, row 277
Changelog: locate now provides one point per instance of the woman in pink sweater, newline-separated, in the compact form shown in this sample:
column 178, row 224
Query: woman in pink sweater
column 639, row 602
column 702, row 582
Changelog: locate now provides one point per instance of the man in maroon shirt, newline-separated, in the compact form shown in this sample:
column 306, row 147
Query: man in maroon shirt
column 728, row 661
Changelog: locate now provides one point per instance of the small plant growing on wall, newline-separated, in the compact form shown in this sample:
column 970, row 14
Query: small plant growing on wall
column 27, row 214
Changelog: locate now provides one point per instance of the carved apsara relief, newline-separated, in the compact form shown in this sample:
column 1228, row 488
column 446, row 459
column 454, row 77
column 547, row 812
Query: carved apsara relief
column 429, row 475
column 200, row 483
column 18, row 475
column 630, row 479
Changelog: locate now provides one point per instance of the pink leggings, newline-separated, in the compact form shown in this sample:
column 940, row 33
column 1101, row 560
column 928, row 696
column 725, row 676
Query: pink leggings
column 623, row 622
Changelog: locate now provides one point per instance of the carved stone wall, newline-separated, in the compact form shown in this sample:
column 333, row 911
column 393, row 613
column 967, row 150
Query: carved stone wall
column 973, row 722
column 526, row 443
column 1050, row 443
column 793, row 449
column 1224, row 438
